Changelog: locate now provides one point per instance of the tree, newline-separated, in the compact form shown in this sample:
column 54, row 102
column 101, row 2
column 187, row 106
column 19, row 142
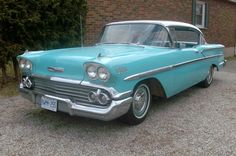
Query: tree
column 38, row 24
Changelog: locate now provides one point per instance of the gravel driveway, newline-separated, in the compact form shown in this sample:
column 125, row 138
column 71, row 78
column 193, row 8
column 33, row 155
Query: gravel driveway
column 196, row 122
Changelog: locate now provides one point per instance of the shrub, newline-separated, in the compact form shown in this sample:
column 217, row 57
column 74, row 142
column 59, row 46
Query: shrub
column 38, row 24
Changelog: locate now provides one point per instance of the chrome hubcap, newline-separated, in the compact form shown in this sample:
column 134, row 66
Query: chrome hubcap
column 141, row 101
column 210, row 75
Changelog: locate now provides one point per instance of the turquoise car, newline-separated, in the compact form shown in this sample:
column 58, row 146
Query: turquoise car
column 117, row 77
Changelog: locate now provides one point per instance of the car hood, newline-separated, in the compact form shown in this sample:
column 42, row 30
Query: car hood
column 71, row 60
column 85, row 53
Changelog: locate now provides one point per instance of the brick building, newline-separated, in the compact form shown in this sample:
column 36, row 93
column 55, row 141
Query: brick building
column 216, row 18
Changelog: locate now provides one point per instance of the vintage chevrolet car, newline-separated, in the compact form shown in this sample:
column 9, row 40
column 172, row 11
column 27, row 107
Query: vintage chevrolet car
column 133, row 61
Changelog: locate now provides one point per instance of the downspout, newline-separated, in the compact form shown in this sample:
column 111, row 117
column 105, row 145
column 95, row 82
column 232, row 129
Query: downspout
column 81, row 32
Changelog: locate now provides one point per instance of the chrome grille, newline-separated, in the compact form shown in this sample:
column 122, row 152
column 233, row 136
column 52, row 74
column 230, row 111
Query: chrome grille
column 75, row 92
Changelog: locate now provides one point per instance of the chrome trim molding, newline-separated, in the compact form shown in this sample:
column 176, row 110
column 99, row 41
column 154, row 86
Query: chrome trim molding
column 58, row 79
column 196, row 60
column 55, row 69
column 203, row 50
column 166, row 68
column 148, row 73
column 123, row 95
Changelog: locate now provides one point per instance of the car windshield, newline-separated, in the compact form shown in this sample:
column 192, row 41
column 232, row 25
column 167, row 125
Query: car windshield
column 136, row 33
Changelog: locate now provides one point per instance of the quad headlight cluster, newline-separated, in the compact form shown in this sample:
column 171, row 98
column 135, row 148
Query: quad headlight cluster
column 97, row 71
column 25, row 64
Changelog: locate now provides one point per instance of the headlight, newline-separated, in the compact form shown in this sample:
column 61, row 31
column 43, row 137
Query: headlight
column 103, row 73
column 25, row 64
column 22, row 63
column 92, row 71
column 28, row 65
column 97, row 71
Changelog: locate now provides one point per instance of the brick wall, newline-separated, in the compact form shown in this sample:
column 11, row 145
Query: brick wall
column 222, row 23
column 222, row 16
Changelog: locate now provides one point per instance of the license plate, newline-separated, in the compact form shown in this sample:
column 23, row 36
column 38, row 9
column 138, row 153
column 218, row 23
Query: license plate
column 49, row 103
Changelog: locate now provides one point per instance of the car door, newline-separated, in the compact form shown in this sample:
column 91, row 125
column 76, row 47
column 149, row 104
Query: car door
column 189, row 68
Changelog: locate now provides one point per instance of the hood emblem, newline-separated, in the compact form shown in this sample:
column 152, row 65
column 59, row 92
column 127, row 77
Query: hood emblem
column 55, row 69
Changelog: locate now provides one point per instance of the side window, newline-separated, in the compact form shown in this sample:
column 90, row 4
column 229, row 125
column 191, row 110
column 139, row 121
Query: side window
column 187, row 37
column 159, row 37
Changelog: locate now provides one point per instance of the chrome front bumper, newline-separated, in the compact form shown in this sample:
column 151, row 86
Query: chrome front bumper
column 116, row 109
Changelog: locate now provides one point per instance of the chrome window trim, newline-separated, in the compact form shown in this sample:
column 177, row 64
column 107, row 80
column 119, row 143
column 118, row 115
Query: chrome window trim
column 166, row 68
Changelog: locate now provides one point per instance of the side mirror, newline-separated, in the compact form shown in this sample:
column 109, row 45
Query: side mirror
column 180, row 45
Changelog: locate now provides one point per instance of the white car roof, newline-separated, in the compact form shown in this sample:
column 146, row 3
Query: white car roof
column 164, row 23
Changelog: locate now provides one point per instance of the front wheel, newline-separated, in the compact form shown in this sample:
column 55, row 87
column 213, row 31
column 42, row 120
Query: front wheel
column 140, row 105
column 207, row 82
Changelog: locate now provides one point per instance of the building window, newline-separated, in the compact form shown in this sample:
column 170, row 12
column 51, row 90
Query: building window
column 200, row 13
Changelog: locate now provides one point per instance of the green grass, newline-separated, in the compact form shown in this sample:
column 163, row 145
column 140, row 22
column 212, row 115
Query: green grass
column 10, row 71
column 11, row 87
column 232, row 58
